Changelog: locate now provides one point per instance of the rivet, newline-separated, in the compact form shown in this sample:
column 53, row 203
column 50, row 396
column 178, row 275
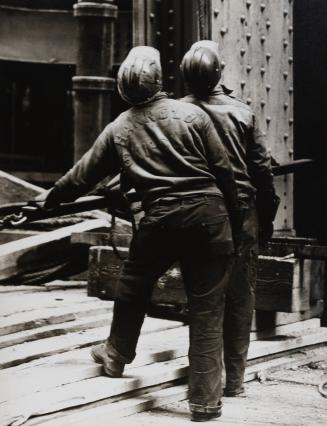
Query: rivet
column 268, row 24
column 290, row 90
column 171, row 44
column 263, row 70
column 286, row 136
column 290, row 29
column 158, row 33
column 243, row 51
column 249, row 101
column 263, row 39
column 268, row 87
column 290, row 152
column 171, row 29
column 171, row 11
column 262, row 7
column 285, row 105
column 216, row 12
column 291, row 121
column 262, row 103
column 290, row 60
column 243, row 83
column 248, row 68
column 242, row 18
column 171, row 61
column 268, row 56
column 248, row 36
column 152, row 15
column 268, row 120
column 285, row 12
column 285, row 43
column 171, row 77
column 248, row 3
column 223, row 64
column 285, row 74
column 265, row 134
column 223, row 31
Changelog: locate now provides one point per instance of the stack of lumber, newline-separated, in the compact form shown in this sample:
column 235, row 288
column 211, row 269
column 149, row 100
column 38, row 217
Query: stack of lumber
column 48, row 377
column 28, row 253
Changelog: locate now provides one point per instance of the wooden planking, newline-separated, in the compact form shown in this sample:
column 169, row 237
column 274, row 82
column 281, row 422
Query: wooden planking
column 40, row 317
column 283, row 283
column 65, row 368
column 119, row 409
column 15, row 190
column 138, row 403
column 16, row 303
column 54, row 330
column 28, row 351
column 21, row 256
column 93, row 389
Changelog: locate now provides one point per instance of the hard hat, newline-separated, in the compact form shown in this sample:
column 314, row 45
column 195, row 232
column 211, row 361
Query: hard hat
column 140, row 75
column 201, row 67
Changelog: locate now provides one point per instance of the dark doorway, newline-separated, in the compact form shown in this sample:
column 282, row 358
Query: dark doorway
column 37, row 117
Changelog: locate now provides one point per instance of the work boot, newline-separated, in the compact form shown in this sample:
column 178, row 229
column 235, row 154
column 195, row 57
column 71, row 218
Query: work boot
column 233, row 392
column 112, row 367
column 199, row 416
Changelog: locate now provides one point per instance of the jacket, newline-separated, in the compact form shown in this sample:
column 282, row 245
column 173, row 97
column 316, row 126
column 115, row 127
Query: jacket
column 166, row 148
column 237, row 128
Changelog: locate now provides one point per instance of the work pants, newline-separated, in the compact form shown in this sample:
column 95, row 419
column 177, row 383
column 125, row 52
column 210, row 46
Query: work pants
column 240, row 300
column 196, row 232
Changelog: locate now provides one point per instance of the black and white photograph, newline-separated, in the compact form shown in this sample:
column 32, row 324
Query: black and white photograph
column 163, row 212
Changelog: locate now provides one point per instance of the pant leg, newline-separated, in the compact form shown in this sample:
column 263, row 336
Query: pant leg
column 239, row 306
column 151, row 254
column 206, row 271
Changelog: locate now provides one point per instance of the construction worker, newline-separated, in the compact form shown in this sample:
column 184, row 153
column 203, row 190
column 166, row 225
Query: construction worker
column 236, row 126
column 171, row 154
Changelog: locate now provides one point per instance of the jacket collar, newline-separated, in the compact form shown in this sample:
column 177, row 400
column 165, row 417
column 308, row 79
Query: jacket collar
column 221, row 89
column 156, row 97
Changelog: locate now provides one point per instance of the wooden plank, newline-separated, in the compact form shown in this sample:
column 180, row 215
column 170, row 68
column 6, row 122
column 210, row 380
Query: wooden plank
column 283, row 284
column 269, row 319
column 54, row 330
column 124, row 408
column 11, row 304
column 98, row 388
column 55, row 315
column 63, row 369
column 15, row 190
column 143, row 402
column 102, row 238
column 21, row 256
column 15, row 234
column 91, row 390
column 21, row 353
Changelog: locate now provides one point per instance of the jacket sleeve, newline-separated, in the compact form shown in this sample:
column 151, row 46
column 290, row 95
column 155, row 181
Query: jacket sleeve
column 258, row 160
column 98, row 162
column 221, row 168
column 259, row 165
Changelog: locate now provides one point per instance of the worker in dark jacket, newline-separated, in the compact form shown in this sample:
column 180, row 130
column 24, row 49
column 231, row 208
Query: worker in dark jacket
column 236, row 126
column 171, row 154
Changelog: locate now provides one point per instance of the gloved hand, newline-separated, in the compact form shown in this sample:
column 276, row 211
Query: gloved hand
column 49, row 198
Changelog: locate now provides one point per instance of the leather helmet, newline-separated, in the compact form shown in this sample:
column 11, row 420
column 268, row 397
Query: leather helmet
column 140, row 76
column 201, row 67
